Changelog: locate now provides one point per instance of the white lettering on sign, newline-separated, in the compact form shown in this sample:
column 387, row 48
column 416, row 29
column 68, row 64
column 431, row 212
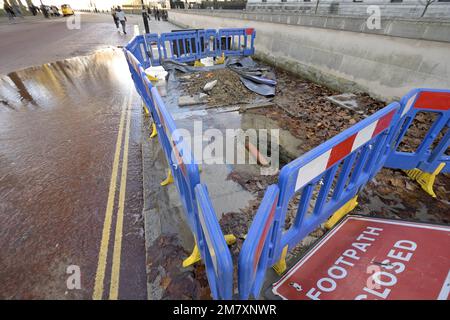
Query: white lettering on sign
column 402, row 250
column 339, row 270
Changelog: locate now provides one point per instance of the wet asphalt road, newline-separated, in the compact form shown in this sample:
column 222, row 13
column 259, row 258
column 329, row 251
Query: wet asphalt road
column 70, row 163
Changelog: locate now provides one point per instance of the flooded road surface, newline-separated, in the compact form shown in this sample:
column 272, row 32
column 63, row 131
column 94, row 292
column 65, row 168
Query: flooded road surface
column 71, row 181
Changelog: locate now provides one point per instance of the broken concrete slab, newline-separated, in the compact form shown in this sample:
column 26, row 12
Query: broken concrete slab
column 192, row 100
column 348, row 101
column 209, row 86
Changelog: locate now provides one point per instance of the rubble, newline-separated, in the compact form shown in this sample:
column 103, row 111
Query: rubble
column 192, row 100
column 209, row 86
column 227, row 91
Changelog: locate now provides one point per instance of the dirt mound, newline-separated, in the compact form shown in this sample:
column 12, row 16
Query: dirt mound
column 228, row 91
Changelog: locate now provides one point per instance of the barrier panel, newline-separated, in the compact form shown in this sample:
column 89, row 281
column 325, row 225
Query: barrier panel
column 151, row 41
column 337, row 170
column 213, row 247
column 235, row 42
column 191, row 45
column 431, row 152
column 203, row 223
column 207, row 43
column 253, row 258
column 181, row 46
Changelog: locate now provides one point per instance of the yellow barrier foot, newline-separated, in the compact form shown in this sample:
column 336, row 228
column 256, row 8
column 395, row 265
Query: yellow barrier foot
column 342, row 211
column 145, row 109
column 168, row 180
column 197, row 63
column 152, row 78
column 230, row 239
column 425, row 179
column 221, row 60
column 195, row 255
column 193, row 258
column 280, row 266
column 154, row 131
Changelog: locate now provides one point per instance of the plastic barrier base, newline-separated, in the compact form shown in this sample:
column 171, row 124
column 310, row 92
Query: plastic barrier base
column 154, row 131
column 221, row 59
column 168, row 180
column 197, row 63
column 341, row 212
column 195, row 255
column 425, row 179
column 145, row 109
column 280, row 266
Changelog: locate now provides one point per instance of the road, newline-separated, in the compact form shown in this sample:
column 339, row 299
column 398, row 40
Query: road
column 71, row 222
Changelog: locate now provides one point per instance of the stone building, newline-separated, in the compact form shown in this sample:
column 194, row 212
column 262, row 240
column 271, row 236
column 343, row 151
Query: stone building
column 388, row 8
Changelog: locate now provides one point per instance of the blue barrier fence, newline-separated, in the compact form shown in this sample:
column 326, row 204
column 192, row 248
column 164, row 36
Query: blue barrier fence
column 431, row 152
column 337, row 169
column 194, row 197
column 323, row 181
column 191, row 45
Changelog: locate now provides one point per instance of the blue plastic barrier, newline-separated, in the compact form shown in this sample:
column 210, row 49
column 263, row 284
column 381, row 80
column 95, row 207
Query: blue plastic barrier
column 338, row 169
column 181, row 46
column 154, row 54
column 191, row 45
column 207, row 43
column 236, row 42
column 213, row 248
column 203, row 222
column 255, row 252
column 426, row 157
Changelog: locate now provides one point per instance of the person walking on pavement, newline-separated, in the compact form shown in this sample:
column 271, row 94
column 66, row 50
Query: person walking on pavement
column 17, row 11
column 9, row 11
column 122, row 19
column 158, row 14
column 149, row 13
column 115, row 18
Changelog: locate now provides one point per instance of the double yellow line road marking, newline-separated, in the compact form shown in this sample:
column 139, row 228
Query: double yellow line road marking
column 104, row 245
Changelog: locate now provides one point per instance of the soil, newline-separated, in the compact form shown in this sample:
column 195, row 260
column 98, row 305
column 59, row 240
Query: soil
column 228, row 91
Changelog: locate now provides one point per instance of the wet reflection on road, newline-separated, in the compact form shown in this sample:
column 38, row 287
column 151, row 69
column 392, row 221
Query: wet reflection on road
column 58, row 128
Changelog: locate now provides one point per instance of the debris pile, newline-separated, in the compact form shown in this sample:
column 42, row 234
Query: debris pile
column 228, row 89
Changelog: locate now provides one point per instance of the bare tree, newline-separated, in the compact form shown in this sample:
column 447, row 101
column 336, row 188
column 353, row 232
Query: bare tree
column 427, row 3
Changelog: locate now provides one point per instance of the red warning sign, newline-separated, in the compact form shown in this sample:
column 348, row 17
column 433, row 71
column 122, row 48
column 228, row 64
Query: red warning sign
column 373, row 259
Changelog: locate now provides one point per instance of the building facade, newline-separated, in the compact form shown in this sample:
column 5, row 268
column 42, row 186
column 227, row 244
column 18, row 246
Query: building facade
column 388, row 8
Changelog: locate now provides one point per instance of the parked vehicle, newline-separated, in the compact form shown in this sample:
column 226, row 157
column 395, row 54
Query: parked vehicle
column 66, row 10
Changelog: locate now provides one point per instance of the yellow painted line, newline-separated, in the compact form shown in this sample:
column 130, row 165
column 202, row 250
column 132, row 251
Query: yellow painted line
column 114, row 286
column 103, row 253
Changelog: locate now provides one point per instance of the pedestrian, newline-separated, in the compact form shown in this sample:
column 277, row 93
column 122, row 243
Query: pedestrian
column 122, row 19
column 154, row 14
column 158, row 14
column 17, row 11
column 9, row 11
column 115, row 18
column 149, row 13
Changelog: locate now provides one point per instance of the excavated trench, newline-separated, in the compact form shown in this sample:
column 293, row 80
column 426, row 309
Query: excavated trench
column 305, row 117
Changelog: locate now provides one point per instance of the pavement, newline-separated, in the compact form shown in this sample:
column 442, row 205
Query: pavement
column 36, row 40
column 71, row 224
